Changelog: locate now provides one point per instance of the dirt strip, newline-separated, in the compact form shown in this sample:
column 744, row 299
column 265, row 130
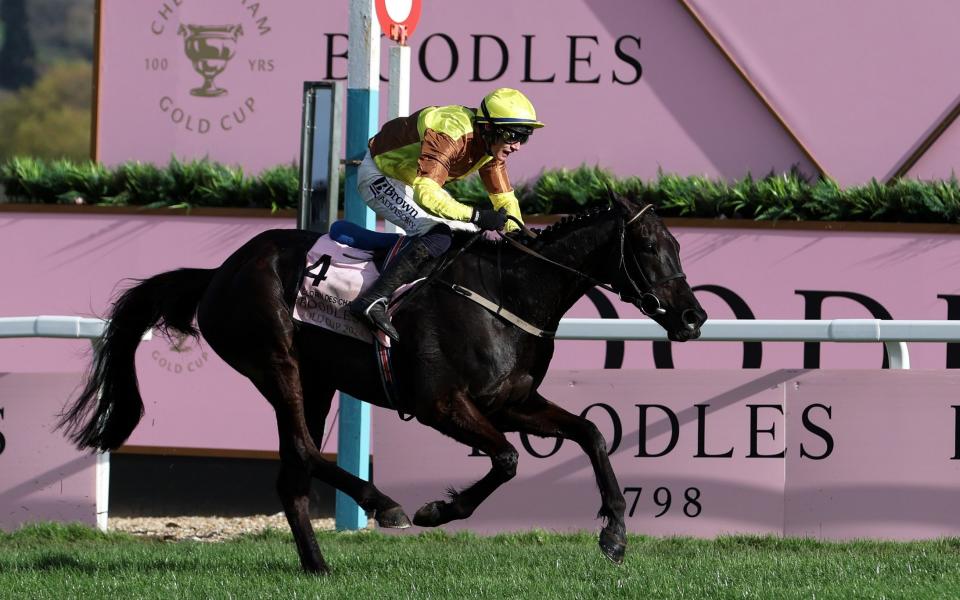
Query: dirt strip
column 206, row 529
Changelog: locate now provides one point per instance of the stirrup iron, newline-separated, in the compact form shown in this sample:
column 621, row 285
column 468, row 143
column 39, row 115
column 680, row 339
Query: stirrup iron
column 366, row 311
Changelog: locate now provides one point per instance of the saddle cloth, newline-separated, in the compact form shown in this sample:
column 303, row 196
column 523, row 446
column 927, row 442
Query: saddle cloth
column 335, row 275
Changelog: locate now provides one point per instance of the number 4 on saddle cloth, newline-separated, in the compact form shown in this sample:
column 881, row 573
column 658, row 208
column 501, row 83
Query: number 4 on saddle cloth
column 340, row 266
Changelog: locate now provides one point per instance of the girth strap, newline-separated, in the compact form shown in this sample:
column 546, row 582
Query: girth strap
column 498, row 310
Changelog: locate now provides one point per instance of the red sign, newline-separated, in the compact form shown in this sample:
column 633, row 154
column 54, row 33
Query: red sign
column 398, row 18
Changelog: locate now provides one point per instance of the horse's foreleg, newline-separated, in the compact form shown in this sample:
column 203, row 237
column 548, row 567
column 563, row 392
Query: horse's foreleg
column 464, row 423
column 541, row 417
column 300, row 458
column 301, row 438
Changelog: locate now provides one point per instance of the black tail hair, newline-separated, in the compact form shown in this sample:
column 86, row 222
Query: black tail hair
column 110, row 406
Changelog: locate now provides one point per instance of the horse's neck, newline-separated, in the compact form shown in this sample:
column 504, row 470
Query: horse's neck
column 550, row 291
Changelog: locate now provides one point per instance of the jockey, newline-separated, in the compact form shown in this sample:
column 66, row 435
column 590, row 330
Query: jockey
column 402, row 175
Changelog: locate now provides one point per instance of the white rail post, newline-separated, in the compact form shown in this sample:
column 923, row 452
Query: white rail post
column 898, row 355
column 399, row 94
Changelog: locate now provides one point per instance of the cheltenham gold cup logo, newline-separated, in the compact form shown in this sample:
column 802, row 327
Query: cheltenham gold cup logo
column 209, row 110
column 209, row 48
column 178, row 343
column 181, row 360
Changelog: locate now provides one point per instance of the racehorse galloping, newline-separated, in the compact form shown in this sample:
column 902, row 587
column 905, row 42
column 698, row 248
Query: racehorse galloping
column 462, row 370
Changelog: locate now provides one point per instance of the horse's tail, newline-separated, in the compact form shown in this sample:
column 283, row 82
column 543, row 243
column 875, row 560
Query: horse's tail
column 110, row 406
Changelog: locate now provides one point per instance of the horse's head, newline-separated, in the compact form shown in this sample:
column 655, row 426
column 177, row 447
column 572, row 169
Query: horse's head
column 650, row 275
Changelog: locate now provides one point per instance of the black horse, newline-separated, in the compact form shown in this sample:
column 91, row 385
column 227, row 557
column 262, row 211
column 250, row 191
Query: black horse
column 464, row 371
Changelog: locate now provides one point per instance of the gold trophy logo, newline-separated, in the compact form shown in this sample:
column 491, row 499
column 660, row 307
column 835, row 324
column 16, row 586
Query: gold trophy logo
column 178, row 343
column 210, row 48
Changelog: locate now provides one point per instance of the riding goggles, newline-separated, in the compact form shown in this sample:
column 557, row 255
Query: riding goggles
column 512, row 135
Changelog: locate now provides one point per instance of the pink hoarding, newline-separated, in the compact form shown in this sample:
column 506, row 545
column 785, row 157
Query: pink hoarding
column 632, row 86
column 692, row 87
column 73, row 264
column 42, row 476
column 826, row 454
column 891, row 462
column 861, row 114
column 796, row 274
column 78, row 263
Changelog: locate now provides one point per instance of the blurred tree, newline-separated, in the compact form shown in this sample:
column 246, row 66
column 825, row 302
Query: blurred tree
column 50, row 119
column 17, row 56
column 62, row 29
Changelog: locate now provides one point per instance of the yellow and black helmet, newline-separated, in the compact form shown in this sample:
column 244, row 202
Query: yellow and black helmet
column 507, row 107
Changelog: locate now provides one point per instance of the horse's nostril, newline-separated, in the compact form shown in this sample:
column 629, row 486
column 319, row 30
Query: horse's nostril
column 691, row 318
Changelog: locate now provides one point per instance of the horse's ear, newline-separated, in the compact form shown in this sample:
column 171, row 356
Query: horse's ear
column 611, row 193
column 622, row 204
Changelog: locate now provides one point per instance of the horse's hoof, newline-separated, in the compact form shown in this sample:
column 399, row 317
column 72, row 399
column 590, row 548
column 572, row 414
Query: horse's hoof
column 613, row 546
column 320, row 568
column 393, row 518
column 429, row 514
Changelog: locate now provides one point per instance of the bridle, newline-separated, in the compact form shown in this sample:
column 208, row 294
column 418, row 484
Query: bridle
column 642, row 295
column 643, row 298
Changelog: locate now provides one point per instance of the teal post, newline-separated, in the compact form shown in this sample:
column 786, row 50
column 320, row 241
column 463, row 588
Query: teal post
column 363, row 105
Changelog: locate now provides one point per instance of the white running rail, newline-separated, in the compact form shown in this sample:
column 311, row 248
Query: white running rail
column 893, row 334
column 70, row 328
column 51, row 327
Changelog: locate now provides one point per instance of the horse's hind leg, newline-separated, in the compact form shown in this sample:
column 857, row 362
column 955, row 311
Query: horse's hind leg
column 541, row 417
column 464, row 423
column 300, row 458
column 317, row 396
column 249, row 291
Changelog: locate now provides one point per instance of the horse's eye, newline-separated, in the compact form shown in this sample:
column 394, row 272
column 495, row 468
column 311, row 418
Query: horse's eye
column 648, row 246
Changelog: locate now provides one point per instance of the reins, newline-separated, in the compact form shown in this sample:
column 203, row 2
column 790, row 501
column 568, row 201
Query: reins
column 642, row 297
column 435, row 273
column 641, row 294
column 543, row 258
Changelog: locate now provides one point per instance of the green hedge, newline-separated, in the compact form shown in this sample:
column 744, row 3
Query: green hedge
column 178, row 185
column 205, row 183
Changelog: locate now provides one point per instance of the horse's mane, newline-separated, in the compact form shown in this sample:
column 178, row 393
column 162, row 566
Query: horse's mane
column 545, row 235
column 559, row 228
column 569, row 223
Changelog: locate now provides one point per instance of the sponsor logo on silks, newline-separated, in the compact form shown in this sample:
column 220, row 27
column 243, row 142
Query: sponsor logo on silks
column 387, row 195
column 381, row 185
column 180, row 356
column 202, row 105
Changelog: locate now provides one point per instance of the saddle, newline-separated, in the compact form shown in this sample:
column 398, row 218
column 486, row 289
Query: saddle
column 340, row 266
column 355, row 236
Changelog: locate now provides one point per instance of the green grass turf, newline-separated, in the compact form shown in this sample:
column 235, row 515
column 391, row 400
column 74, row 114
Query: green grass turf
column 55, row 561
